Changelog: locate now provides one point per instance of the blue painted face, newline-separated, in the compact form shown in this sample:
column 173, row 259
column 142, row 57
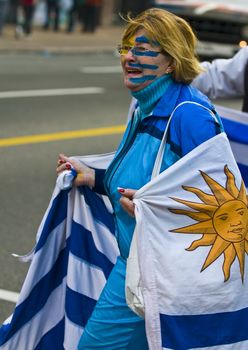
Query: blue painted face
column 142, row 62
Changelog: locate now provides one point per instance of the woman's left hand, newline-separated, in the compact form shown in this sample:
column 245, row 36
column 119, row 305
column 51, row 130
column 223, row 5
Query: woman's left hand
column 126, row 200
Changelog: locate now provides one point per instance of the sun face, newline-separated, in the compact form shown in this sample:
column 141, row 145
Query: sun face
column 230, row 221
column 222, row 221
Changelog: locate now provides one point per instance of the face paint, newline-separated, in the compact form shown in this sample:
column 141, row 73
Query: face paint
column 143, row 66
column 142, row 79
column 141, row 51
column 142, row 39
column 142, row 61
column 145, row 40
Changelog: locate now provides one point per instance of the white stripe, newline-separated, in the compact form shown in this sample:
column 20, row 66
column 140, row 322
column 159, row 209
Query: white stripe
column 99, row 161
column 104, row 240
column 107, row 204
column 96, row 280
column 72, row 335
column 51, row 92
column 240, row 152
column 231, row 114
column 51, row 314
column 8, row 296
column 101, row 70
column 44, row 260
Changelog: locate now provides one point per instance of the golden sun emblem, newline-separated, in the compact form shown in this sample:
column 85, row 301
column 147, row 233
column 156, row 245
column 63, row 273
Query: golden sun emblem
column 222, row 219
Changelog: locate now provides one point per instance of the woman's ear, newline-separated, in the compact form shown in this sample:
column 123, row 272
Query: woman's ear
column 170, row 67
column 168, row 70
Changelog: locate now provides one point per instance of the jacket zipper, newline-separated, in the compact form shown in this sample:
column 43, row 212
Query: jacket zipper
column 114, row 166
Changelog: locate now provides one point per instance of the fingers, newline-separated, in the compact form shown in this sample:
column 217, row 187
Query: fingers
column 128, row 205
column 127, row 192
column 63, row 163
column 126, row 200
column 84, row 174
column 63, row 158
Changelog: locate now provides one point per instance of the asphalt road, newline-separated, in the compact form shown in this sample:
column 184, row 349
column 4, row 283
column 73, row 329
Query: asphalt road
column 27, row 175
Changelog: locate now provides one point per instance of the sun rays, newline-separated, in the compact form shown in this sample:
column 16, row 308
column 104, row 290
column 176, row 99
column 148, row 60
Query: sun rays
column 222, row 219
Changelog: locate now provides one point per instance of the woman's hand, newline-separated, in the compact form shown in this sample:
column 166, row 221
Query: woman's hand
column 85, row 175
column 126, row 200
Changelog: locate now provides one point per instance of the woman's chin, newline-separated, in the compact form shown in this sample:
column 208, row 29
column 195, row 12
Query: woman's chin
column 133, row 86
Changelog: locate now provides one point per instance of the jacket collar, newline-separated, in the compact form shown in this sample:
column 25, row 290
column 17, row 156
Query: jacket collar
column 168, row 101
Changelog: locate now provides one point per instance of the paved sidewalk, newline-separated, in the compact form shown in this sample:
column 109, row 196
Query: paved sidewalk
column 104, row 39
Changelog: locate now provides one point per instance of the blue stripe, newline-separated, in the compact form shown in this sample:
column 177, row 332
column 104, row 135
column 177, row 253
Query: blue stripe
column 142, row 39
column 135, row 51
column 236, row 131
column 56, row 215
column 143, row 66
column 145, row 40
column 153, row 126
column 82, row 245
column 244, row 172
column 98, row 208
column 38, row 296
column 53, row 339
column 143, row 79
column 197, row 331
column 78, row 307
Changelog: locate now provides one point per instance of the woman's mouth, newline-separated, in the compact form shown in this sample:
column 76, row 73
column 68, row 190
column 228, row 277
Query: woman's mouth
column 133, row 72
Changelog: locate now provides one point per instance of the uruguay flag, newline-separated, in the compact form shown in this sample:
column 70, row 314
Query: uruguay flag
column 74, row 254
column 190, row 245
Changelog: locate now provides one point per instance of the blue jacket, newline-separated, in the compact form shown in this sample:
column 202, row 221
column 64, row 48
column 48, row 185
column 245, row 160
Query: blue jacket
column 133, row 164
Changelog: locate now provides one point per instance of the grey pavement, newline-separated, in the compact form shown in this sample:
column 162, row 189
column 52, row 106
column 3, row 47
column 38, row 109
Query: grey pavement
column 103, row 40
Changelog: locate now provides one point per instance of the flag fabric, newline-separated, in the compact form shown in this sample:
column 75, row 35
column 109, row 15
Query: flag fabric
column 190, row 245
column 236, row 127
column 74, row 254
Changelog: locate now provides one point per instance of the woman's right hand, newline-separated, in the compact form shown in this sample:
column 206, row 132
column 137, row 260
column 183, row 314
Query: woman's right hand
column 85, row 175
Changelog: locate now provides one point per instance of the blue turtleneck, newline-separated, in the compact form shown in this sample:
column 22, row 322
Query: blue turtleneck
column 149, row 96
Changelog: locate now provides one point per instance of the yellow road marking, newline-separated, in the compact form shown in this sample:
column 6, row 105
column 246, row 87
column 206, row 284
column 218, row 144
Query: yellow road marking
column 65, row 135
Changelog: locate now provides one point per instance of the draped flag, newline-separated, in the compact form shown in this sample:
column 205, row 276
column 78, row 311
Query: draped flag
column 191, row 243
column 75, row 252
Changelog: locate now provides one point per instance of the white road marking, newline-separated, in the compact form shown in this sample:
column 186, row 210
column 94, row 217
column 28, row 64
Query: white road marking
column 52, row 92
column 101, row 70
column 8, row 296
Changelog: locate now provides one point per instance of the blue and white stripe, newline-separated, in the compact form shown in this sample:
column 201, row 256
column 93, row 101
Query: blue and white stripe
column 236, row 127
column 74, row 254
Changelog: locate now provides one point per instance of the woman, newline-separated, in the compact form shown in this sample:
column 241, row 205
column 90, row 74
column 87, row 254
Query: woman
column 159, row 63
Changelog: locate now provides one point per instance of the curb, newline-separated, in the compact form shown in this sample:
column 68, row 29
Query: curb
column 103, row 41
column 57, row 51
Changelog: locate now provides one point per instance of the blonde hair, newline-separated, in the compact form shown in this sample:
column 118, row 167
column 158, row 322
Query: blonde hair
column 175, row 37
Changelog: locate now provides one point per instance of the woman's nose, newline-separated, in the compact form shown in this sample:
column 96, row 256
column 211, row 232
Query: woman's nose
column 130, row 55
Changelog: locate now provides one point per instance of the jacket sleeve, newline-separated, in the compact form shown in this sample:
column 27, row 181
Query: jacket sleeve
column 193, row 125
column 99, row 186
column 223, row 77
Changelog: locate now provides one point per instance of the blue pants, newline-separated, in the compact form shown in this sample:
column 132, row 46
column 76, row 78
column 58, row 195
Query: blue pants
column 113, row 326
